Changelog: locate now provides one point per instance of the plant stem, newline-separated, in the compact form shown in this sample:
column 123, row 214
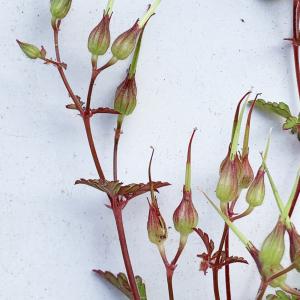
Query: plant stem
column 62, row 73
column 282, row 272
column 261, row 291
column 216, row 283
column 86, row 117
column 216, row 270
column 227, row 269
column 91, row 87
column 294, row 202
column 170, row 283
column 296, row 9
column 122, row 238
column 116, row 144
column 87, row 125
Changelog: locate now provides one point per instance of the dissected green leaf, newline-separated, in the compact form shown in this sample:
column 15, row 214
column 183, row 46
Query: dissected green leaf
column 121, row 283
column 290, row 123
column 117, row 188
column 281, row 108
column 280, row 295
column 110, row 187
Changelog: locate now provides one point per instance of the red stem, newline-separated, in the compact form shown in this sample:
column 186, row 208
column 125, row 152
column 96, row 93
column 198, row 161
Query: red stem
column 87, row 125
column 86, row 118
column 170, row 283
column 227, row 269
column 296, row 9
column 295, row 199
column 216, row 283
column 116, row 144
column 261, row 291
column 122, row 238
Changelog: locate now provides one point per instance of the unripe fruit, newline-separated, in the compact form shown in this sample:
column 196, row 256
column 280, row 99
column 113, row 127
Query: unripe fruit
column 124, row 44
column 273, row 247
column 256, row 192
column 60, row 8
column 125, row 98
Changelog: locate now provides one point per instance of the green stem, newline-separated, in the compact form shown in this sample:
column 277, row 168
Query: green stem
column 149, row 13
column 237, row 131
column 187, row 185
column 116, row 144
column 133, row 65
column 109, row 7
column 235, row 230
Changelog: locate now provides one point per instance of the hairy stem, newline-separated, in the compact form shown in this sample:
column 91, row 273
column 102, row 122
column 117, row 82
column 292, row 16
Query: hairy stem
column 122, row 238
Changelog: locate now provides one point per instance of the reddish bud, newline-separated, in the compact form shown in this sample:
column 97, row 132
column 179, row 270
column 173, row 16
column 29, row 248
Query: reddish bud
column 256, row 192
column 246, row 175
column 156, row 226
column 125, row 98
column 99, row 38
column 273, row 247
column 294, row 247
column 185, row 217
column 124, row 44
column 227, row 188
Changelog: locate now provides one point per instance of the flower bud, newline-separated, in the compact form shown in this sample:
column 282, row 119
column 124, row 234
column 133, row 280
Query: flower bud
column 99, row 38
column 185, row 217
column 294, row 247
column 246, row 176
column 125, row 98
column 256, row 192
column 273, row 247
column 30, row 51
column 59, row 8
column 124, row 44
column 156, row 226
column 271, row 270
column 227, row 188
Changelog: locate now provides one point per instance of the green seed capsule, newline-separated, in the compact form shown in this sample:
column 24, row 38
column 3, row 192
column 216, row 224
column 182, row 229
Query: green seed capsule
column 256, row 192
column 30, row 51
column 60, row 8
column 185, row 217
column 124, row 44
column 227, row 188
column 273, row 247
column 99, row 38
column 156, row 226
column 125, row 99
column 271, row 270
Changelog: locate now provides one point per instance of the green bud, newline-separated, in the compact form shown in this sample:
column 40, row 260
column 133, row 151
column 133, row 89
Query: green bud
column 30, row 51
column 99, row 38
column 294, row 247
column 156, row 226
column 256, row 192
column 125, row 98
column 227, row 188
column 268, row 271
column 185, row 217
column 59, row 8
column 124, row 44
column 273, row 247
column 246, row 173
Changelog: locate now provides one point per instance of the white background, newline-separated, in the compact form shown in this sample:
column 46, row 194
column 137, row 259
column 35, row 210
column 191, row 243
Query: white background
column 197, row 59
